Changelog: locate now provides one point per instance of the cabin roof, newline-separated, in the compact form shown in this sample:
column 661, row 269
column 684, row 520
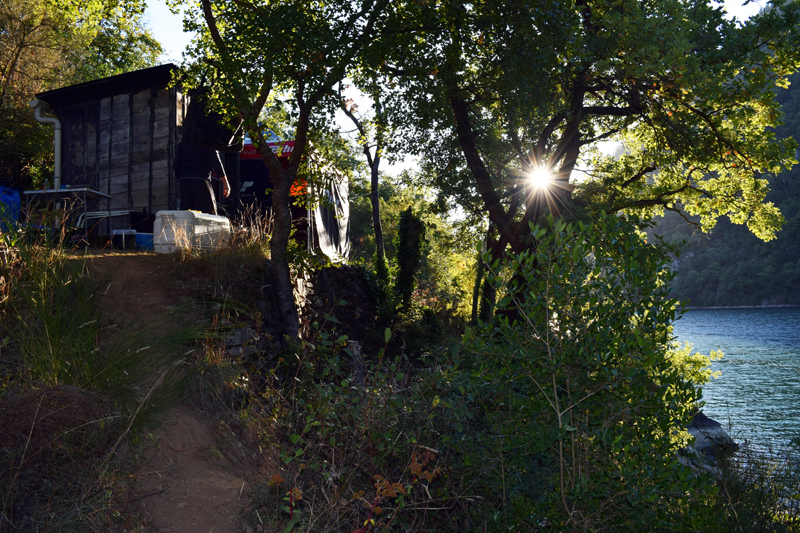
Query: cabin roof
column 158, row 77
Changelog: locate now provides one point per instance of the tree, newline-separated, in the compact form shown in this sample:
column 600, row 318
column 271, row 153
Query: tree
column 578, row 415
column 373, row 161
column 252, row 52
column 48, row 44
column 122, row 43
column 504, row 90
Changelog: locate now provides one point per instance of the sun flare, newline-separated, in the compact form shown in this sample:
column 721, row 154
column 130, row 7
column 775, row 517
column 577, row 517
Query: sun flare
column 541, row 177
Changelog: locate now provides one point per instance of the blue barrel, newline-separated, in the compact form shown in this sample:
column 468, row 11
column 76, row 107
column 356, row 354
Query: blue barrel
column 12, row 206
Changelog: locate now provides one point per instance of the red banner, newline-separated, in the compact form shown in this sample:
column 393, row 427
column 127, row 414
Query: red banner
column 282, row 149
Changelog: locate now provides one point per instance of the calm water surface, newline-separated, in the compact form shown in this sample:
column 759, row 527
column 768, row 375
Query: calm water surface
column 759, row 387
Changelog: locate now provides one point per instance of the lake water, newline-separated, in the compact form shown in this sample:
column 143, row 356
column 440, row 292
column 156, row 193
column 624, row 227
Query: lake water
column 759, row 387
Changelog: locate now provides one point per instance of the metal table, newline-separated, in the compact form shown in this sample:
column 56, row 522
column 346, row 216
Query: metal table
column 82, row 195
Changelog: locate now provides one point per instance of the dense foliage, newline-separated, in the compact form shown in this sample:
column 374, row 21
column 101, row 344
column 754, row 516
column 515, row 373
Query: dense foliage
column 499, row 90
column 730, row 266
column 575, row 413
column 569, row 421
column 565, row 411
column 447, row 262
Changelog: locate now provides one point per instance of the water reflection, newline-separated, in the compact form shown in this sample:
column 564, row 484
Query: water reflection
column 759, row 389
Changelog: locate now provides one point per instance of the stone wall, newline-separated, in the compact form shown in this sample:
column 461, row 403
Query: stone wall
column 340, row 292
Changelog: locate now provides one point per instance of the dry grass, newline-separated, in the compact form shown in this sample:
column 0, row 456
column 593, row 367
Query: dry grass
column 36, row 419
column 69, row 398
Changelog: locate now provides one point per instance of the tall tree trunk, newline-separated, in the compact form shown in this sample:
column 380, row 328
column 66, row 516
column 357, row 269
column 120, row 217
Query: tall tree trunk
column 480, row 275
column 282, row 287
column 476, row 288
column 374, row 164
column 376, row 207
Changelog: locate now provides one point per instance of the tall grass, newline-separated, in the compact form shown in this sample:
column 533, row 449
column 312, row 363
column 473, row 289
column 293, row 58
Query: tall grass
column 759, row 490
column 75, row 391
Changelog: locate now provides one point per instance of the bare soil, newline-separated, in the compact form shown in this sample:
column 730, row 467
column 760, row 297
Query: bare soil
column 184, row 485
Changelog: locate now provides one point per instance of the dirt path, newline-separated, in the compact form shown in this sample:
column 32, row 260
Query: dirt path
column 183, row 486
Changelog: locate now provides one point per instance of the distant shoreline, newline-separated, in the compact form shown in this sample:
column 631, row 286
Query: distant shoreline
column 692, row 308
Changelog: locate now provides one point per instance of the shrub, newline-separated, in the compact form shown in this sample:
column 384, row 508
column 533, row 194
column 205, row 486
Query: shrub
column 408, row 251
column 571, row 410
column 353, row 457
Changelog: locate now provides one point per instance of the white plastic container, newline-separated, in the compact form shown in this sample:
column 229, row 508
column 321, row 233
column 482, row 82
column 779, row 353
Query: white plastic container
column 173, row 230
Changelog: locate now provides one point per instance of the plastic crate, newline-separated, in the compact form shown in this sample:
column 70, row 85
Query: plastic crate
column 144, row 241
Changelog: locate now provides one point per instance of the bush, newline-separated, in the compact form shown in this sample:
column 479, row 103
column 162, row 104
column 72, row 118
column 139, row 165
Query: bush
column 353, row 457
column 570, row 414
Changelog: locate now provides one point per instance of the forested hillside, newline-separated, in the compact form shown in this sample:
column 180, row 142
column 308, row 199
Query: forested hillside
column 730, row 265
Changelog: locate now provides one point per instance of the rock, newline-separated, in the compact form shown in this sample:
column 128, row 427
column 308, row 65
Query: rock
column 710, row 441
column 341, row 292
column 245, row 342
column 240, row 337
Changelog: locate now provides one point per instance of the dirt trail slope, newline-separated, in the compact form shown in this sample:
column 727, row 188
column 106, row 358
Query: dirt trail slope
column 183, row 486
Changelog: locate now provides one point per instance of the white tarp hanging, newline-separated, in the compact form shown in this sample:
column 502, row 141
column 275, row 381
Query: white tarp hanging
column 332, row 221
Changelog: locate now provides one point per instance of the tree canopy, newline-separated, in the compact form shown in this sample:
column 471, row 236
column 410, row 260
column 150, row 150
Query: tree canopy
column 493, row 92
column 731, row 266
column 496, row 90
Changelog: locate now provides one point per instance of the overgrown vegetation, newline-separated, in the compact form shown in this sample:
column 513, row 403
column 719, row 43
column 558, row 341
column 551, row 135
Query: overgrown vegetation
column 570, row 420
column 446, row 263
column 74, row 391
column 563, row 406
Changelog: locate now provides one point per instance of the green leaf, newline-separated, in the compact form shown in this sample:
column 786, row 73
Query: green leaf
column 387, row 334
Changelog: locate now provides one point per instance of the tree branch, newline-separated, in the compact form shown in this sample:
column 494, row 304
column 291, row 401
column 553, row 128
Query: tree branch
column 612, row 111
column 683, row 216
column 466, row 139
column 606, row 135
column 211, row 22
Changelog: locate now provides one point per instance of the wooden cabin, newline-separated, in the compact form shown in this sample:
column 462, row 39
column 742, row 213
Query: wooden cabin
column 118, row 136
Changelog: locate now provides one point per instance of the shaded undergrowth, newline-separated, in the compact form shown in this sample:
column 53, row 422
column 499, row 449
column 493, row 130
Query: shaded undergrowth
column 76, row 392
column 462, row 439
column 465, row 437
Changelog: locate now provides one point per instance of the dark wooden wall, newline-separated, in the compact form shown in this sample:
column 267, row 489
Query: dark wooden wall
column 124, row 145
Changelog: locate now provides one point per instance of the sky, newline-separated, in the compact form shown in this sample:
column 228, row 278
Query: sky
column 168, row 29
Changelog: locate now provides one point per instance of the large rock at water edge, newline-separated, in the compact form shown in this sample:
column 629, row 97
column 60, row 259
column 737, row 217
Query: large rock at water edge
column 710, row 440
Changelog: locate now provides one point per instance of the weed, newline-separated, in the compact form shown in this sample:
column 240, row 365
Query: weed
column 759, row 490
